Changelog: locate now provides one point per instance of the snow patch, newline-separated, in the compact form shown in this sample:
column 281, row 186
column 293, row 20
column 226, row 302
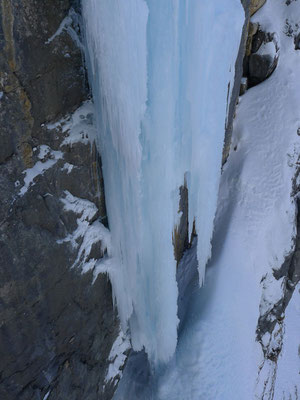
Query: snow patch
column 268, row 48
column 67, row 26
column 67, row 167
column 48, row 158
column 272, row 292
column 64, row 25
column 117, row 357
column 89, row 232
column 287, row 382
column 46, row 395
column 78, row 126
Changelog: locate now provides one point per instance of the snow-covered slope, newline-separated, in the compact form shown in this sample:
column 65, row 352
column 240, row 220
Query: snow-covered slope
column 218, row 357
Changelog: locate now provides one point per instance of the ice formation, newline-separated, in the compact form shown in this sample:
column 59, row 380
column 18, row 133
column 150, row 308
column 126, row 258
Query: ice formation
column 160, row 74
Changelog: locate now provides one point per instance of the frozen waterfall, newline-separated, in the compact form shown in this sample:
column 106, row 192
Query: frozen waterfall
column 160, row 72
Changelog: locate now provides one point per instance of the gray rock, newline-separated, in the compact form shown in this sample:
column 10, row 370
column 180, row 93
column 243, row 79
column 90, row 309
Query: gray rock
column 260, row 67
column 237, row 83
column 272, row 322
column 181, row 233
column 56, row 328
column 244, row 86
column 263, row 60
column 297, row 41
column 258, row 39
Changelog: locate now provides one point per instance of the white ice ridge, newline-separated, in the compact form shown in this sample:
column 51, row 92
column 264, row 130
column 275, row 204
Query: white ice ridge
column 159, row 72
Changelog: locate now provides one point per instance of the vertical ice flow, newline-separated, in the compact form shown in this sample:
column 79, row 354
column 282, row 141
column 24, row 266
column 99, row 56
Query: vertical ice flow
column 159, row 72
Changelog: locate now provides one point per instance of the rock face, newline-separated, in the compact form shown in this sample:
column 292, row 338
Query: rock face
column 56, row 327
column 297, row 42
column 270, row 330
column 181, row 240
column 237, row 83
column 255, row 5
column 253, row 64
column 262, row 51
column 260, row 67
column 263, row 57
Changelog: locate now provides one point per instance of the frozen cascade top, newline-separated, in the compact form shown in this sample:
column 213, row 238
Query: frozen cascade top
column 159, row 72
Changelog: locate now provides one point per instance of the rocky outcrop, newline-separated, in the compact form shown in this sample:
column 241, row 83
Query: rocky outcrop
column 262, row 56
column 255, row 5
column 181, row 232
column 271, row 327
column 292, row 29
column 256, row 61
column 261, row 52
column 57, row 327
column 237, row 83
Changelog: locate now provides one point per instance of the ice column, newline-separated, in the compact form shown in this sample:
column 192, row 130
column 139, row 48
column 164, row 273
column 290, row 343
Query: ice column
column 160, row 72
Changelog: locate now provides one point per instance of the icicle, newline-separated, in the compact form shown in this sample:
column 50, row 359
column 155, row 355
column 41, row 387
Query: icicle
column 159, row 72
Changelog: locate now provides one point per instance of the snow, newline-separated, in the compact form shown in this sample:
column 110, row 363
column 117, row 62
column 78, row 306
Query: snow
column 287, row 380
column 85, row 208
column 117, row 357
column 64, row 25
column 48, row 158
column 217, row 356
column 160, row 93
column 78, row 126
column 46, row 395
column 89, row 232
column 267, row 48
column 270, row 297
column 67, row 167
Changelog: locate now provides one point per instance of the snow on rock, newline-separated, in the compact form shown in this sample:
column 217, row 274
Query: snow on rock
column 272, row 292
column 64, row 25
column 268, row 48
column 46, row 395
column 70, row 25
column 117, row 358
column 48, row 158
column 67, row 167
column 90, row 237
column 160, row 73
column 288, row 367
column 89, row 233
column 78, row 126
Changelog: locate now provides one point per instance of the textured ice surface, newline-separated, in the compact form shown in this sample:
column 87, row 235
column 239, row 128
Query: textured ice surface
column 160, row 74
column 217, row 356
